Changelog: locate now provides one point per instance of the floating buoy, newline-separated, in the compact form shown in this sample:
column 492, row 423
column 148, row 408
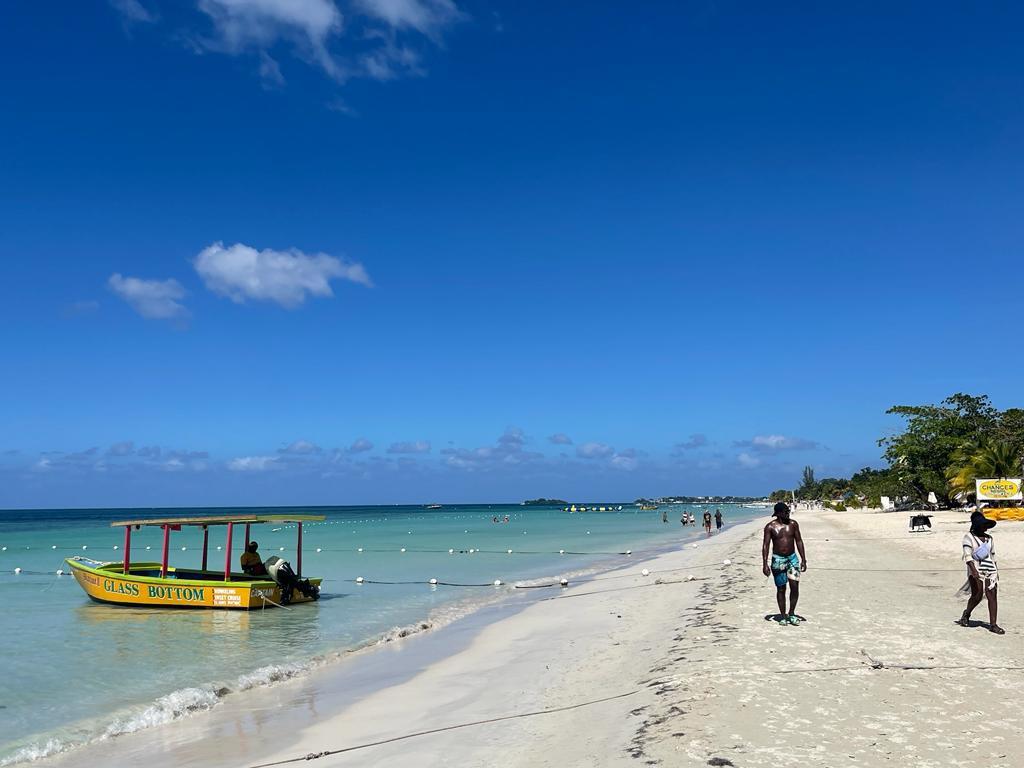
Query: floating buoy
column 318, row 549
column 148, row 547
column 53, row 547
column 359, row 579
column 510, row 551
column 219, row 548
column 433, row 581
column 3, row 549
column 60, row 572
column 451, row 551
column 645, row 572
column 561, row 551
column 472, row 551
column 629, row 551
column 17, row 571
column 402, row 549
column 727, row 561
column 564, row 582
column 588, row 533
column 359, row 550
column 279, row 549
column 184, row 548
column 497, row 582
column 115, row 546
column 85, row 546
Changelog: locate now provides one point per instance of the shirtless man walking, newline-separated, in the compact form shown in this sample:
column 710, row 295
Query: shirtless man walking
column 783, row 535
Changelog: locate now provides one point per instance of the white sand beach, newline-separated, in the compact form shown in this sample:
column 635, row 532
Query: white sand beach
column 702, row 672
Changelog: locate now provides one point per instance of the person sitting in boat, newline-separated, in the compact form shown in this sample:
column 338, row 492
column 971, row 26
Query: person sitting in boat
column 252, row 563
column 281, row 571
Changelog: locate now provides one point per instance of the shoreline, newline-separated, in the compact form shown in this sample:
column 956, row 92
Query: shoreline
column 335, row 682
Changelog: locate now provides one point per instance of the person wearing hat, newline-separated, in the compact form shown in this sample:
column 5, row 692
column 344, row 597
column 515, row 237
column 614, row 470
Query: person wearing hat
column 982, row 573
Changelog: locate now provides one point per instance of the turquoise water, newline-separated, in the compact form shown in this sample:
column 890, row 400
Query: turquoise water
column 77, row 671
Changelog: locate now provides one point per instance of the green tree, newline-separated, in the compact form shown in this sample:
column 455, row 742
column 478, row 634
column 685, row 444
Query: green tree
column 922, row 453
column 780, row 495
column 991, row 460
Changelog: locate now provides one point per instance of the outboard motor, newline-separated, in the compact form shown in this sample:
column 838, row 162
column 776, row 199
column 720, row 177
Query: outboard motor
column 281, row 572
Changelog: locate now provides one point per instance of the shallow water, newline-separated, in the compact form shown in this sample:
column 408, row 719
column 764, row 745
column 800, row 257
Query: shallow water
column 77, row 671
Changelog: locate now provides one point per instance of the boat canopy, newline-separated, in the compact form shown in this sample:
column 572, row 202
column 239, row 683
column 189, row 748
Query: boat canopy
column 219, row 520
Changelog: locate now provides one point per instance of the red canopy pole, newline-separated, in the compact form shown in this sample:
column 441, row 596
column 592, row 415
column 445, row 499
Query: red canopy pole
column 167, row 545
column 247, row 536
column 298, row 551
column 227, row 554
column 127, row 548
column 206, row 543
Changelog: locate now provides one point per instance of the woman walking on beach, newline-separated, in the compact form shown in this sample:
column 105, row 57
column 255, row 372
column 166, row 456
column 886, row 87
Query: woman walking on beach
column 982, row 574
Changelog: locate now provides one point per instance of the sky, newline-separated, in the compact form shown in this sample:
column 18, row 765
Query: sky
column 406, row 251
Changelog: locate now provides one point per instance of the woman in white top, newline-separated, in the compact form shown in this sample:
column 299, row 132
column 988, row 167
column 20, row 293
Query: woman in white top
column 982, row 573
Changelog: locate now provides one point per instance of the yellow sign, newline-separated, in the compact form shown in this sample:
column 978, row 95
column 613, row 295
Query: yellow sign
column 1002, row 489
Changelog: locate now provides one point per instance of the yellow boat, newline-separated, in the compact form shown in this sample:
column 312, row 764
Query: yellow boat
column 160, row 585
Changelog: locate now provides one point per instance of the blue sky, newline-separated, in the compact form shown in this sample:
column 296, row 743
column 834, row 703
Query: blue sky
column 376, row 251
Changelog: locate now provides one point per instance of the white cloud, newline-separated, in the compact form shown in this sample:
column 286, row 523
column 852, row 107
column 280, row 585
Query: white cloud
column 417, row 446
column 126, row 448
column 300, row 448
column 695, row 441
column 748, row 461
column 240, row 272
column 624, row 461
column 270, row 71
column 252, row 463
column 153, row 299
column 560, row 438
column 362, row 445
column 133, row 11
column 425, row 16
column 594, row 451
column 773, row 443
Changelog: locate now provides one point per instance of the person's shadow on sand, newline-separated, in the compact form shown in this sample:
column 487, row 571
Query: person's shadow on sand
column 778, row 617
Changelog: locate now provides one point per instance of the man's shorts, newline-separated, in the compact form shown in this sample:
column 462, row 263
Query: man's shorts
column 785, row 568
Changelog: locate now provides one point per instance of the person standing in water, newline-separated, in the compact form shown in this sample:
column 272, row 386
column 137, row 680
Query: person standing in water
column 782, row 536
column 982, row 574
column 664, row 515
column 718, row 519
column 707, row 521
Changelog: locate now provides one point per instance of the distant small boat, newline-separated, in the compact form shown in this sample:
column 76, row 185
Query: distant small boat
column 433, row 506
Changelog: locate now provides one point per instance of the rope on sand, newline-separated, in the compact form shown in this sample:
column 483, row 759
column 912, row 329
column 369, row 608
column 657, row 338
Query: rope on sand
column 329, row 752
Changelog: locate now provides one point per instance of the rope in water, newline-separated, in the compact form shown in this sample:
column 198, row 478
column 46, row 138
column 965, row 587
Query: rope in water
column 340, row 750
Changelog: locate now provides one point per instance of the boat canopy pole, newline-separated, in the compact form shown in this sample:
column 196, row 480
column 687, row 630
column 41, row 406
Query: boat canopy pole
column 247, row 537
column 227, row 553
column 167, row 546
column 127, row 548
column 298, row 551
column 206, row 543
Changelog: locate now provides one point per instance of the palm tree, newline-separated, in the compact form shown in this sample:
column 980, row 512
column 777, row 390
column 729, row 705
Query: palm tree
column 990, row 460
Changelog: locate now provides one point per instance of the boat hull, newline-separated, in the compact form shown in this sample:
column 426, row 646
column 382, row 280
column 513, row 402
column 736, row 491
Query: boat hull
column 106, row 583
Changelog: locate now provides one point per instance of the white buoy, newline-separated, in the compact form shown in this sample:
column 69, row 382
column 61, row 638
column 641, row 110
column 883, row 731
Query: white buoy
column 148, row 547
column 472, row 551
column 53, row 547
column 3, row 549
column 727, row 561
column 279, row 549
column 85, row 546
column 402, row 549
column 359, row 550
column 60, row 572
column 564, row 582
column 17, row 571
column 219, row 547
column 318, row 549
column 433, row 581
column 588, row 533
column 451, row 551
column 497, row 582
column 184, row 549
column 115, row 546
column 359, row 579
column 510, row 551
column 561, row 551
column 629, row 551
column 645, row 572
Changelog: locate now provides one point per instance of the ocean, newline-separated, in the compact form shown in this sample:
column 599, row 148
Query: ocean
column 75, row 671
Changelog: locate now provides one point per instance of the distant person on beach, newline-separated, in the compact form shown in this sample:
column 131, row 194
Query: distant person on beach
column 718, row 519
column 783, row 536
column 707, row 521
column 252, row 563
column 979, row 553
column 664, row 516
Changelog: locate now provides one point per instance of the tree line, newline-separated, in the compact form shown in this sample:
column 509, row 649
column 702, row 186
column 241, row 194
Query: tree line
column 941, row 449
